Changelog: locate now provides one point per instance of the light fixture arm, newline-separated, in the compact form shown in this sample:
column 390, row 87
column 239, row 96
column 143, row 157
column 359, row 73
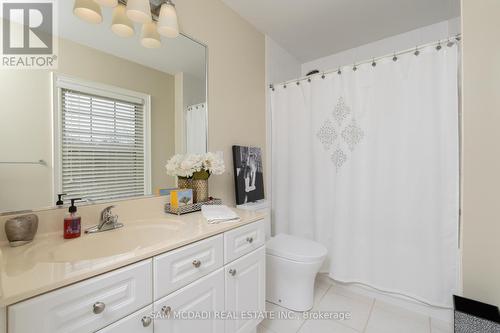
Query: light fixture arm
column 155, row 12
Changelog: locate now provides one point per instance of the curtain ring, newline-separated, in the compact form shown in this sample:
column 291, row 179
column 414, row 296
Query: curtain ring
column 339, row 72
column 417, row 52
column 355, row 68
column 374, row 64
column 395, row 58
column 450, row 43
column 323, row 76
column 298, row 83
column 439, row 47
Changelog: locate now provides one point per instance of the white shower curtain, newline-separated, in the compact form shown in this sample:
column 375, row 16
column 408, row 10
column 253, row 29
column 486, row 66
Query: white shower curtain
column 196, row 129
column 367, row 163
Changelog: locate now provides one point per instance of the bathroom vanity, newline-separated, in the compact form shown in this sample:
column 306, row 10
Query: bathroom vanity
column 152, row 275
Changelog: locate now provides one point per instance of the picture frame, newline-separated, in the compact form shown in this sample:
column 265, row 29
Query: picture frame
column 248, row 174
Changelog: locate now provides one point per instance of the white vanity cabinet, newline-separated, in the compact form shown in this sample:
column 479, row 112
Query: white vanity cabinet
column 176, row 269
column 204, row 297
column 245, row 290
column 86, row 306
column 217, row 278
column 139, row 322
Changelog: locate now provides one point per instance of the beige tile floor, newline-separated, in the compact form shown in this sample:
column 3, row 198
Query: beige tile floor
column 368, row 315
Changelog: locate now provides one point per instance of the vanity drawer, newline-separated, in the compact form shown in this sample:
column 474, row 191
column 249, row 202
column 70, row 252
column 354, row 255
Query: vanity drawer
column 78, row 308
column 180, row 267
column 243, row 240
column 139, row 322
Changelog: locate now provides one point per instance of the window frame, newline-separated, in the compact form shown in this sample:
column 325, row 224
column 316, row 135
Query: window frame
column 60, row 82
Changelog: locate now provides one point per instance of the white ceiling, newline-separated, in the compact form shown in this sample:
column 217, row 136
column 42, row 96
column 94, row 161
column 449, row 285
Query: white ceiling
column 311, row 29
column 176, row 55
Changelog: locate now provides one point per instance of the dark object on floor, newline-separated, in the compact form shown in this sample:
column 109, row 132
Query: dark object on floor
column 475, row 317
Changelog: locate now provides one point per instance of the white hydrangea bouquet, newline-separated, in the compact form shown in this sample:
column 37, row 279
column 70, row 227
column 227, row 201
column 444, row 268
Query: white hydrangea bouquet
column 195, row 166
column 193, row 171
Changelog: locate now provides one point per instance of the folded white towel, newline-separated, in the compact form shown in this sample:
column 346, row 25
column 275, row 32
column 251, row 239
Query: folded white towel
column 219, row 213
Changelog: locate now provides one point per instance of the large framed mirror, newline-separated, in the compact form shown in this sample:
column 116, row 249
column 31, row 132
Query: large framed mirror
column 102, row 125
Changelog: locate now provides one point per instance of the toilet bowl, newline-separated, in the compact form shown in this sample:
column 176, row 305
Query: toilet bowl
column 292, row 264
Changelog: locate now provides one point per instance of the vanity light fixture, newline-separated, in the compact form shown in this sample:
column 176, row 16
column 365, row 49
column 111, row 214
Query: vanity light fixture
column 158, row 18
column 139, row 11
column 121, row 24
column 150, row 38
column 168, row 24
column 107, row 3
column 88, row 10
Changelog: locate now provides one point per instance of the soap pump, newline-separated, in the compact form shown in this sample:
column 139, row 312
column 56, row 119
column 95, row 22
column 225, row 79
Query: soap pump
column 72, row 222
column 60, row 201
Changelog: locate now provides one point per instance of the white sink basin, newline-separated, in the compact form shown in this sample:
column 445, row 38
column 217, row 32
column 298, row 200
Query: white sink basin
column 100, row 245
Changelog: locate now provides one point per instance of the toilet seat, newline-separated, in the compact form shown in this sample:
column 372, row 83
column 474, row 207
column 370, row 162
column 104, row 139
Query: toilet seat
column 295, row 248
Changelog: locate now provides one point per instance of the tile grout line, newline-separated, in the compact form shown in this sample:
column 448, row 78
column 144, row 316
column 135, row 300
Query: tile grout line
column 430, row 325
column 369, row 315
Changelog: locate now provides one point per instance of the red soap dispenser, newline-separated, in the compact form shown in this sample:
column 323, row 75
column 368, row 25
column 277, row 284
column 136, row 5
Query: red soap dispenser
column 72, row 222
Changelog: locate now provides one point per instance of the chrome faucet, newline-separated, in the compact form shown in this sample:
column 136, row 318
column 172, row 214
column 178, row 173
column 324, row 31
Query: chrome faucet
column 108, row 221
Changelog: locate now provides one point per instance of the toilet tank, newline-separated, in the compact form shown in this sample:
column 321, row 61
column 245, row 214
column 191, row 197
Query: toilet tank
column 261, row 206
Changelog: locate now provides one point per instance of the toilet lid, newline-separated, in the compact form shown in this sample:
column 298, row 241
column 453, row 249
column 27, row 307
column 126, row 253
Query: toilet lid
column 295, row 248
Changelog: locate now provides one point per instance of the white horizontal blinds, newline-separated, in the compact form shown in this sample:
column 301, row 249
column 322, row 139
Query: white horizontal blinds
column 103, row 154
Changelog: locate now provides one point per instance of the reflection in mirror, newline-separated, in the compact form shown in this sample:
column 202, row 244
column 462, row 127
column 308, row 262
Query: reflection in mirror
column 103, row 124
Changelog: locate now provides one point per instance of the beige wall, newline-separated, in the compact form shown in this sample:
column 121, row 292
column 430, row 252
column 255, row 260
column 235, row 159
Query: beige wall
column 481, row 155
column 236, row 72
column 26, row 103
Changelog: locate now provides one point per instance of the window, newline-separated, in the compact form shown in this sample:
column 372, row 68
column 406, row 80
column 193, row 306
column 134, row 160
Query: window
column 103, row 140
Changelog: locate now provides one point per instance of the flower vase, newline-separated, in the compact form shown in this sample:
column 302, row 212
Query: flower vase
column 200, row 186
column 200, row 190
column 184, row 183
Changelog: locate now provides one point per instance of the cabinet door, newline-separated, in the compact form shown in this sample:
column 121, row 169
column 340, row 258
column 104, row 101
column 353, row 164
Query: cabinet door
column 203, row 297
column 245, row 291
column 139, row 322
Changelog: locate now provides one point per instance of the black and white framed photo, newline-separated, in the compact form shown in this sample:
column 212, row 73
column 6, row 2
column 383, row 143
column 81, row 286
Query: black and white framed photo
column 248, row 174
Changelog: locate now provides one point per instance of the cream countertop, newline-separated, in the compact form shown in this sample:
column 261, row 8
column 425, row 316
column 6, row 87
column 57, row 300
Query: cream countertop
column 51, row 262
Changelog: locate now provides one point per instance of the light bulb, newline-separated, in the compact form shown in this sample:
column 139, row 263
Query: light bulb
column 88, row 10
column 168, row 24
column 139, row 11
column 107, row 3
column 150, row 38
column 121, row 24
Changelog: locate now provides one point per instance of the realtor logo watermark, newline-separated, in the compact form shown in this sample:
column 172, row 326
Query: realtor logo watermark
column 28, row 34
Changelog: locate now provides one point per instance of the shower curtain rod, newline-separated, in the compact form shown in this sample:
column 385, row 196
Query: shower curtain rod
column 416, row 50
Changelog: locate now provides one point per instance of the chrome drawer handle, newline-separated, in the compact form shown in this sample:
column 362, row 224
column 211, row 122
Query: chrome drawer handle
column 250, row 240
column 232, row 272
column 146, row 321
column 99, row 307
column 166, row 310
column 196, row 263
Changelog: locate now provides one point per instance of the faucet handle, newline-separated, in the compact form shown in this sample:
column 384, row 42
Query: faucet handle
column 107, row 215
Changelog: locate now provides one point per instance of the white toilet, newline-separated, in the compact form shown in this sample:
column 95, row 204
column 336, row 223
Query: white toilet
column 292, row 264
